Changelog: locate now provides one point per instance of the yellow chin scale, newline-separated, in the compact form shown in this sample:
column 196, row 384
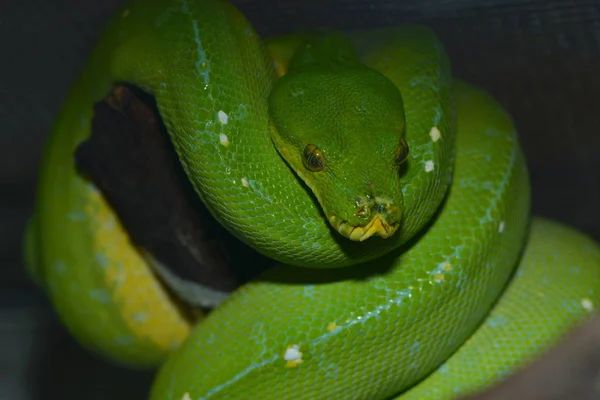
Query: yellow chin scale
column 377, row 226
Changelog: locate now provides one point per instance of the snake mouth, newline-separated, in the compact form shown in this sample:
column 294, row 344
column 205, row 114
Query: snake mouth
column 377, row 226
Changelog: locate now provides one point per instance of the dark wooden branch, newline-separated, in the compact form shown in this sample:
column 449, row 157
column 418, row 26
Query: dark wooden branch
column 131, row 159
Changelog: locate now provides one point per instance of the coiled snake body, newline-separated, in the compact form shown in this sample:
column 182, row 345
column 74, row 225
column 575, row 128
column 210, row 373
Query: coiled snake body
column 395, row 199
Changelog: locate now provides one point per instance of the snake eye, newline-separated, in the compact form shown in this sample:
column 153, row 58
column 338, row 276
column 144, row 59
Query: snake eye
column 401, row 152
column 313, row 158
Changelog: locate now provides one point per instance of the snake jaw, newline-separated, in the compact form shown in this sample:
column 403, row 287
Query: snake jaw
column 376, row 226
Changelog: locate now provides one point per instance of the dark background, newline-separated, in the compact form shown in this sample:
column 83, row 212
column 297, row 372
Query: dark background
column 540, row 59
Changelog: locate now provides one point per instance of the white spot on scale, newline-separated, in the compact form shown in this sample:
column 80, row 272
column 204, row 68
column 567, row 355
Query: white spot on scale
column 224, row 139
column 223, row 117
column 429, row 166
column 435, row 134
column 293, row 355
column 501, row 227
column 587, row 304
column 245, row 182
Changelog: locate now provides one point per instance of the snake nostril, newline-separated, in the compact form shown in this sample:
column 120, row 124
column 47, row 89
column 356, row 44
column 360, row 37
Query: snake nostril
column 363, row 211
column 381, row 208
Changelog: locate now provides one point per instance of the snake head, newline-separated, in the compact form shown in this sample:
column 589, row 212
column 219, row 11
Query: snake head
column 340, row 127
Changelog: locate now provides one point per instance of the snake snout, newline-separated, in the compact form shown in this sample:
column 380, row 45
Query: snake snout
column 363, row 212
column 386, row 209
column 372, row 217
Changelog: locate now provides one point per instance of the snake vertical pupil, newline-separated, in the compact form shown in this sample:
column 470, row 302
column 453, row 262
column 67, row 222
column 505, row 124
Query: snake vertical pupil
column 313, row 158
column 401, row 152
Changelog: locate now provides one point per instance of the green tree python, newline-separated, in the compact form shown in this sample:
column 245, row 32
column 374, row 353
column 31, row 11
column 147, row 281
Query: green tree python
column 393, row 198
